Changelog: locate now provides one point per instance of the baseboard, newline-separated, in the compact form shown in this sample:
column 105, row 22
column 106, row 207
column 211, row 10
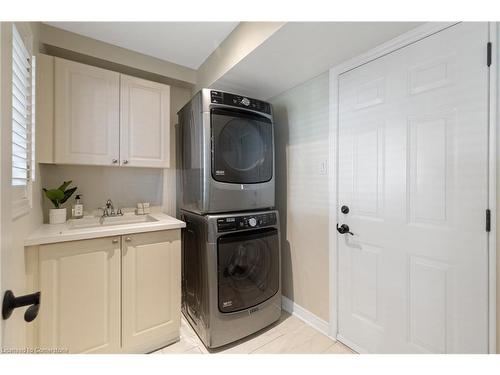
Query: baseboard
column 305, row 315
column 350, row 344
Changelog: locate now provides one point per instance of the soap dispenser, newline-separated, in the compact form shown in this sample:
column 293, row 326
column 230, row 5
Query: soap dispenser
column 77, row 210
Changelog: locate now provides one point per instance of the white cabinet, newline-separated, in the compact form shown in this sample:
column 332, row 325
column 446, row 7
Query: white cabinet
column 103, row 117
column 144, row 123
column 87, row 119
column 80, row 288
column 118, row 294
column 151, row 290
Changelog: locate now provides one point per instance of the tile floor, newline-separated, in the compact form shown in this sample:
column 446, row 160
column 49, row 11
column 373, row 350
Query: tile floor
column 289, row 335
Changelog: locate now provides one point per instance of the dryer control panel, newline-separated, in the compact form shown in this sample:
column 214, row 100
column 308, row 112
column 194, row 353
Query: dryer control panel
column 228, row 224
column 219, row 97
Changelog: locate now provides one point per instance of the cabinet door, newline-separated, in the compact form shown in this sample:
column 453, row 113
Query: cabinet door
column 144, row 123
column 151, row 290
column 86, row 114
column 80, row 286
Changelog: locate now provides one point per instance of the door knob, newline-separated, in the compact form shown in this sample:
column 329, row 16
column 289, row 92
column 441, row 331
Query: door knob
column 11, row 302
column 343, row 229
column 125, row 162
column 114, row 161
column 128, row 239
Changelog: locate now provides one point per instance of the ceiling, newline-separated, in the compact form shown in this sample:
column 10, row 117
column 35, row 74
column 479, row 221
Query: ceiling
column 299, row 51
column 184, row 43
column 295, row 53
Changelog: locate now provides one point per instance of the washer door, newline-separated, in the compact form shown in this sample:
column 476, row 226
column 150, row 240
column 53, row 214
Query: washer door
column 242, row 146
column 247, row 268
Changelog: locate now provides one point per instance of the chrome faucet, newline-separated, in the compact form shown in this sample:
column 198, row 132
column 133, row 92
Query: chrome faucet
column 108, row 210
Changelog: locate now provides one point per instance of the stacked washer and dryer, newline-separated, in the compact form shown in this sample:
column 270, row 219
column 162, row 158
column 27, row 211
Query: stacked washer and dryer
column 231, row 283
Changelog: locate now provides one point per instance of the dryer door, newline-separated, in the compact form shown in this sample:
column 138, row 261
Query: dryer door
column 242, row 146
column 247, row 268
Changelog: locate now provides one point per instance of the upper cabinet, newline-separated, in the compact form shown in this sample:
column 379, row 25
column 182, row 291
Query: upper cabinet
column 101, row 117
column 144, row 126
column 87, row 117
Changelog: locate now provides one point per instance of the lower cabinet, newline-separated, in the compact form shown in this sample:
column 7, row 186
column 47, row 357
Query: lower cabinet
column 109, row 295
column 80, row 305
column 151, row 290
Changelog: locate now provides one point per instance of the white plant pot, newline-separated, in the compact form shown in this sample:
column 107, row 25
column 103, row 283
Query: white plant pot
column 57, row 216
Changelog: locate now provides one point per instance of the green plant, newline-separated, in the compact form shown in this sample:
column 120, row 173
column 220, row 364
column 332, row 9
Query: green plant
column 60, row 195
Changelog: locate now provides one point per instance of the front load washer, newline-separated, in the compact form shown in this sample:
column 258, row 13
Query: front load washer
column 227, row 153
column 231, row 282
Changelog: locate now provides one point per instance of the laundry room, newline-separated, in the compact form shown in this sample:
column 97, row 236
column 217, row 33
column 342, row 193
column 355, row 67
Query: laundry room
column 225, row 184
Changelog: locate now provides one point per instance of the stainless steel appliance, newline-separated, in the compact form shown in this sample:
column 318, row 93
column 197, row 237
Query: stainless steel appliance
column 231, row 283
column 227, row 148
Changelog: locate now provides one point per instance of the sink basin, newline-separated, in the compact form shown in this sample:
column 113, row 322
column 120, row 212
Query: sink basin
column 97, row 222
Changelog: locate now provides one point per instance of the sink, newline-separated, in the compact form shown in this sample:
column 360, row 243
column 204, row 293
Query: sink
column 97, row 222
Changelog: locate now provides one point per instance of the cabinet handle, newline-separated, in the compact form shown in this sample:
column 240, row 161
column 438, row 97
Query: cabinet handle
column 114, row 161
column 128, row 239
column 125, row 161
column 115, row 240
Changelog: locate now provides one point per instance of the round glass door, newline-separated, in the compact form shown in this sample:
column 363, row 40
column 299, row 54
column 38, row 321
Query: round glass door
column 242, row 147
column 248, row 269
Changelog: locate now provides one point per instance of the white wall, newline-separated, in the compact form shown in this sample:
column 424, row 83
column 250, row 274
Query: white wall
column 301, row 116
column 124, row 186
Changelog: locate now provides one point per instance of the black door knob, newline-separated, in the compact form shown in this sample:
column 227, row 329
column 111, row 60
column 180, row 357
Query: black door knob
column 343, row 229
column 11, row 302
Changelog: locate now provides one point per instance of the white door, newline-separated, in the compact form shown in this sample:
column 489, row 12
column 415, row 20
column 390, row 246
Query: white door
column 151, row 290
column 144, row 123
column 87, row 104
column 80, row 287
column 413, row 170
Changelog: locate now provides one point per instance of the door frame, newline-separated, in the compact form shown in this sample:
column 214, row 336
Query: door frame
column 399, row 42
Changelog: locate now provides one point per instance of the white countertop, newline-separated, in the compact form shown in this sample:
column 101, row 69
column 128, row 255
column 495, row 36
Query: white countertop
column 69, row 231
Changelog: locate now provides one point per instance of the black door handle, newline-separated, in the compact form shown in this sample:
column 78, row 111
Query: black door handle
column 11, row 302
column 343, row 229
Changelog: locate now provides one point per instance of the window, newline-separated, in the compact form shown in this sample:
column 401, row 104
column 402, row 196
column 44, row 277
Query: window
column 22, row 125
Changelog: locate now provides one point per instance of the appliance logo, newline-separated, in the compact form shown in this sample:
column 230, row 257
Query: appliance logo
column 220, row 173
column 227, row 303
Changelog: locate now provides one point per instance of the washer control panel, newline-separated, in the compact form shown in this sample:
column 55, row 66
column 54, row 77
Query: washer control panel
column 219, row 97
column 228, row 224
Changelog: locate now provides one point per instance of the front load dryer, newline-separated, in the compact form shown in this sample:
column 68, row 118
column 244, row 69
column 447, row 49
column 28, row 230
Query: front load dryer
column 227, row 153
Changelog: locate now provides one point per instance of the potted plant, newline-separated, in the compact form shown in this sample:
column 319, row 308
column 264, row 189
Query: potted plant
column 58, row 196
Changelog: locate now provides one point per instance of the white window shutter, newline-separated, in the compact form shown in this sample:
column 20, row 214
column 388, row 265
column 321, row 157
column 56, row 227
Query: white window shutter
column 22, row 126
